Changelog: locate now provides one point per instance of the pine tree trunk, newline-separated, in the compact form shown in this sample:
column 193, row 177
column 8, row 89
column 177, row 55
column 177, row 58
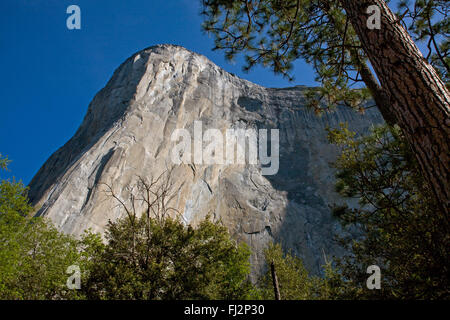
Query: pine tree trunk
column 276, row 288
column 419, row 98
column 378, row 94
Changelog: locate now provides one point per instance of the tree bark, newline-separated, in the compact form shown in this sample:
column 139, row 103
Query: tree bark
column 276, row 288
column 378, row 94
column 417, row 95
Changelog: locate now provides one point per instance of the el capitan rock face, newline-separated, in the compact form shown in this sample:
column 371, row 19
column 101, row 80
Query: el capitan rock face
column 127, row 133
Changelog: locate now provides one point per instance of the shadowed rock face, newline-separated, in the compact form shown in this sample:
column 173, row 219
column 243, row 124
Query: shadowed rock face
column 127, row 133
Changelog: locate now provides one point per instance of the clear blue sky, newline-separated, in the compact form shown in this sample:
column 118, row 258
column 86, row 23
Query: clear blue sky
column 50, row 73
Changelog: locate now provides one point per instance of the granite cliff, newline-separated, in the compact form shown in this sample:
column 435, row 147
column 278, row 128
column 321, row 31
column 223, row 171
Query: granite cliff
column 127, row 130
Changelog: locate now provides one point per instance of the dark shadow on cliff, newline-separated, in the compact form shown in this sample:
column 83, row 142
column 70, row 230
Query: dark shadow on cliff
column 308, row 228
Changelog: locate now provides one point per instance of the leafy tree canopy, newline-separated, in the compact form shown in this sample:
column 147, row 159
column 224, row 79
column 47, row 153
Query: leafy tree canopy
column 295, row 283
column 403, row 233
column 149, row 258
column 34, row 256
